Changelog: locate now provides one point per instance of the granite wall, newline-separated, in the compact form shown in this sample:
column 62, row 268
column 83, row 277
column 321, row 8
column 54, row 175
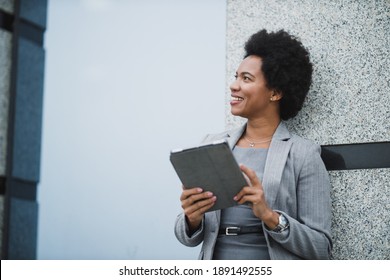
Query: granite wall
column 349, row 101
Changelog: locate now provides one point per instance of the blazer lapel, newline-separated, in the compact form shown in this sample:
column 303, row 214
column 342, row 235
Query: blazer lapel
column 275, row 163
column 234, row 135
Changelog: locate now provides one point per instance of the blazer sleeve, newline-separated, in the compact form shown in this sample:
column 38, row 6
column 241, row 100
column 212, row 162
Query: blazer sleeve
column 182, row 232
column 309, row 234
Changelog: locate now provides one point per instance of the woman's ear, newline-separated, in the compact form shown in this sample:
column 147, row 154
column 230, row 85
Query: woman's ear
column 276, row 95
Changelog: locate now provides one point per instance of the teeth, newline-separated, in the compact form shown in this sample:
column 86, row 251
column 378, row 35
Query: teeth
column 237, row 98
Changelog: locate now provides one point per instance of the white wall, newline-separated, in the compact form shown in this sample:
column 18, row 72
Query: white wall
column 126, row 82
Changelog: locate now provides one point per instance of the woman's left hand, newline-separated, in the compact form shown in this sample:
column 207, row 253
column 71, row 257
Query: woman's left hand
column 254, row 194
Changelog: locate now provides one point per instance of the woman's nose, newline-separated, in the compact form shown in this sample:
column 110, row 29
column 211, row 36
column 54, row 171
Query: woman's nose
column 234, row 86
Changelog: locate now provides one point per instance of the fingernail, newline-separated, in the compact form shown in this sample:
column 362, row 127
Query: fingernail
column 209, row 194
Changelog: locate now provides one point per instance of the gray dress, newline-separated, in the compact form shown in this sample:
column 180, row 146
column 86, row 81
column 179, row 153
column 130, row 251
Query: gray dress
column 251, row 246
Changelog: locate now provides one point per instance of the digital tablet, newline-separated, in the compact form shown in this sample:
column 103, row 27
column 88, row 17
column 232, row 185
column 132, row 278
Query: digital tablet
column 211, row 167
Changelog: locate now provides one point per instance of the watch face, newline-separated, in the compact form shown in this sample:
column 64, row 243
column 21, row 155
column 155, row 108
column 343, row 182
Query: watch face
column 283, row 224
column 282, row 221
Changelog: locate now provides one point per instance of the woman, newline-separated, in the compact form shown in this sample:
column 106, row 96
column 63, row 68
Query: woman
column 285, row 211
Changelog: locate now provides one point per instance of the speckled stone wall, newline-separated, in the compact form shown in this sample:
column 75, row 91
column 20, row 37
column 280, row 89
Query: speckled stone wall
column 349, row 101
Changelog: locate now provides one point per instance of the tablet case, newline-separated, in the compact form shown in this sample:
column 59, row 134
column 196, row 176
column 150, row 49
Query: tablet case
column 211, row 167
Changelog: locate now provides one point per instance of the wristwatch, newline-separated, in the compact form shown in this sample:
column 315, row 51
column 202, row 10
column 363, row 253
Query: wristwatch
column 283, row 224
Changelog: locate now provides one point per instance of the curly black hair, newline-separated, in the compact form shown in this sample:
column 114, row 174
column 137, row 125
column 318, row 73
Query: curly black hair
column 286, row 67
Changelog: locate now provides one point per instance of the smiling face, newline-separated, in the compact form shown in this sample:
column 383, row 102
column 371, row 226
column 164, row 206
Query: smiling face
column 251, row 98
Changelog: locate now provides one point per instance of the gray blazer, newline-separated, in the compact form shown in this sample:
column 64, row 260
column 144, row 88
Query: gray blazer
column 296, row 184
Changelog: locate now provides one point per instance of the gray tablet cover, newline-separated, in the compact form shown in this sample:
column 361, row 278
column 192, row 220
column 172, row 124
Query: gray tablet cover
column 211, row 167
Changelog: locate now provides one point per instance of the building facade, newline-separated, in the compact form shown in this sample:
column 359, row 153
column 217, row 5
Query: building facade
column 22, row 27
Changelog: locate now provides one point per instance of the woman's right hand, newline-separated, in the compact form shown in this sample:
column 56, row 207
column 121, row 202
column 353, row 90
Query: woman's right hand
column 195, row 203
